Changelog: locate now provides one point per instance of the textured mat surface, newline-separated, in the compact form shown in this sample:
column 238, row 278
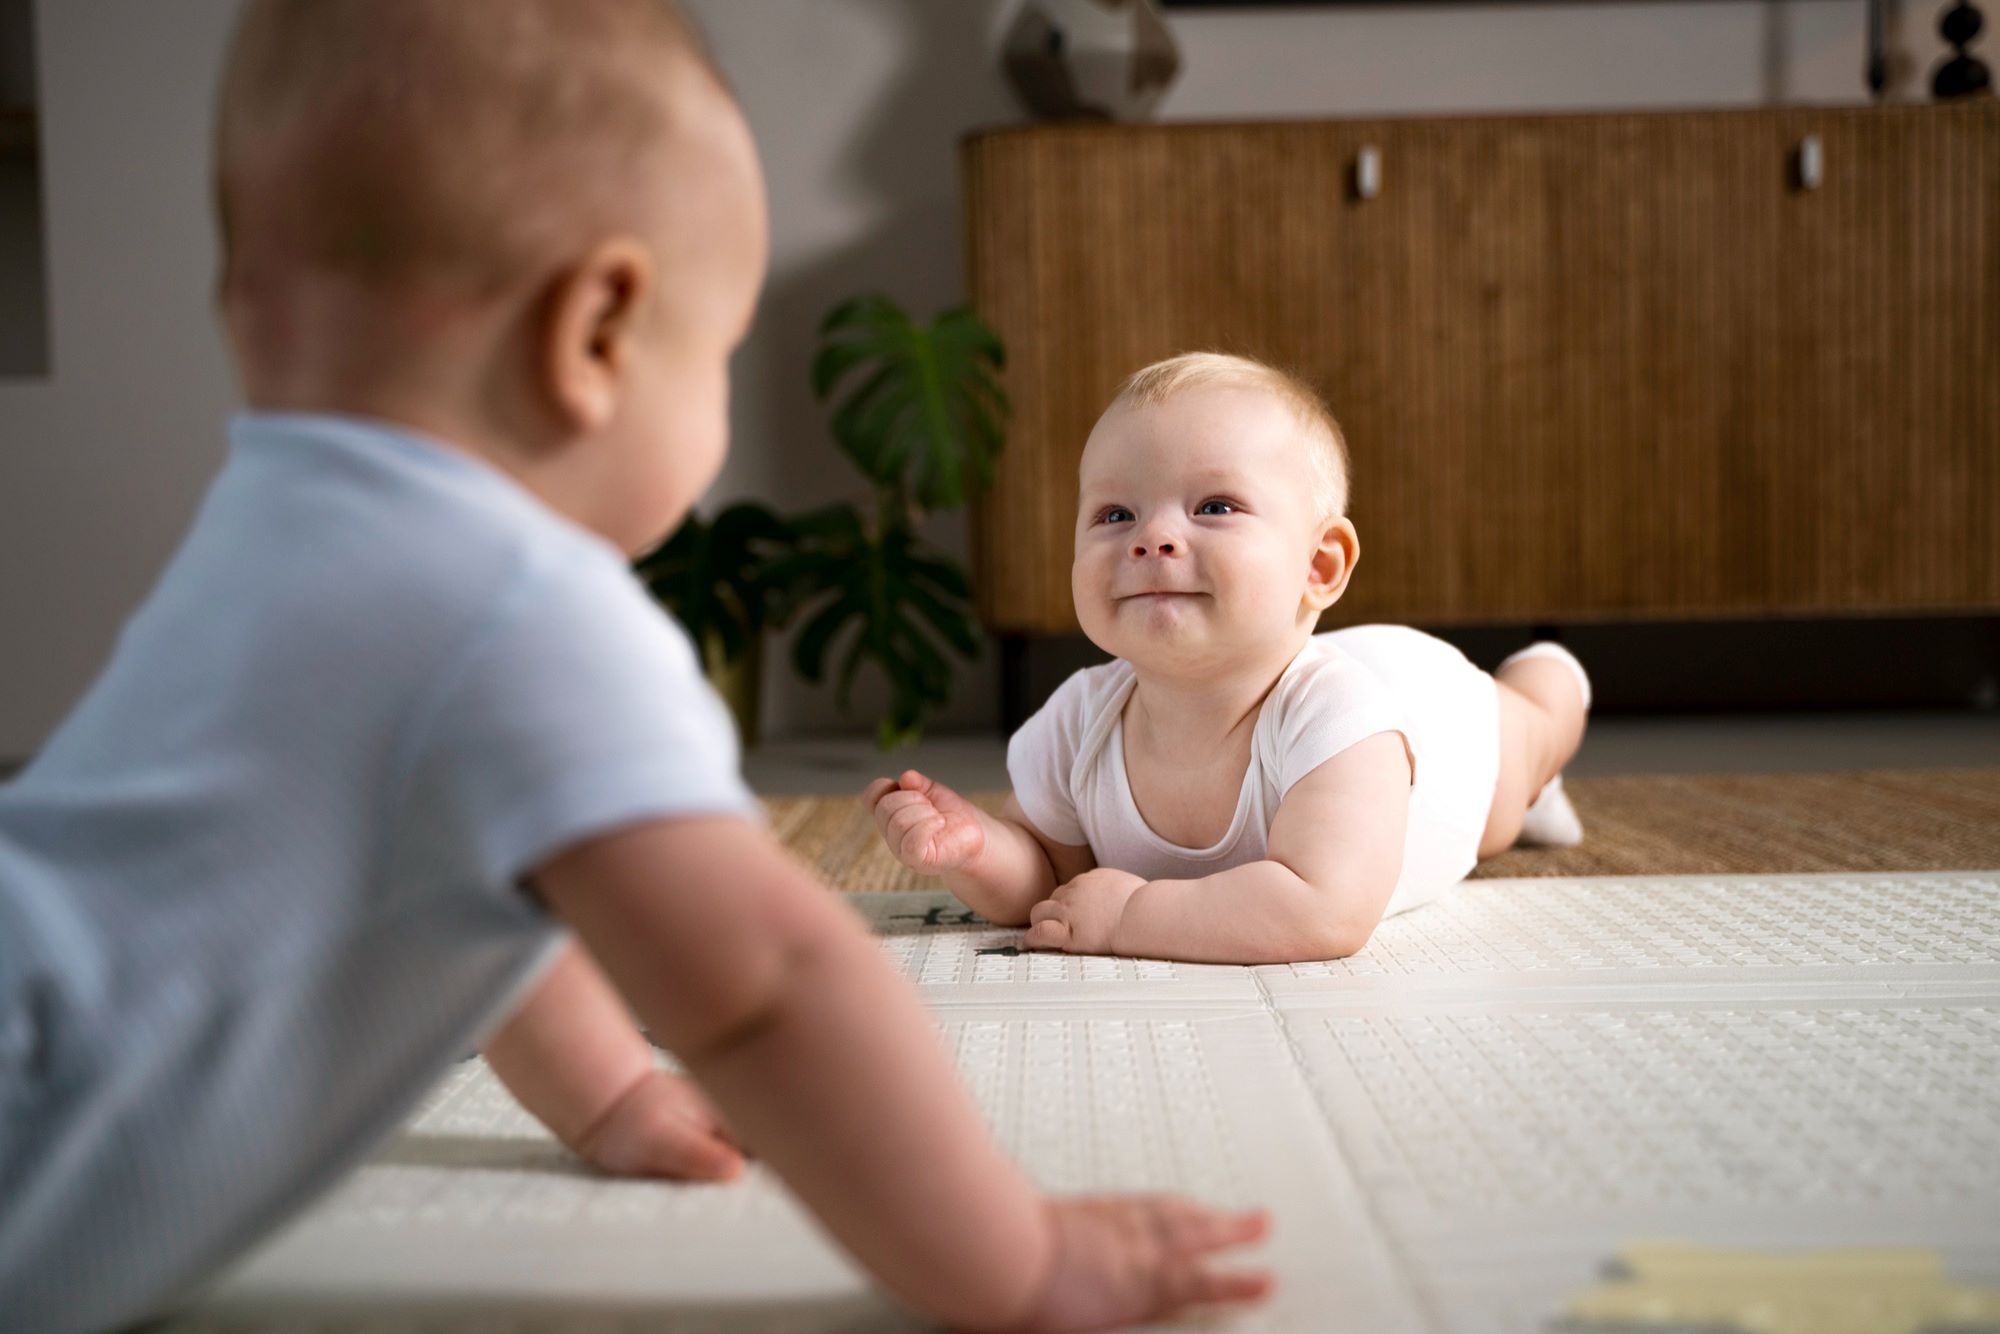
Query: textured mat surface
column 1457, row 1129
column 1880, row 820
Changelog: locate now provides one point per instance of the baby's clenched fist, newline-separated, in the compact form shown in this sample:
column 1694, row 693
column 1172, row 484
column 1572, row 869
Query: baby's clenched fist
column 1082, row 916
column 927, row 826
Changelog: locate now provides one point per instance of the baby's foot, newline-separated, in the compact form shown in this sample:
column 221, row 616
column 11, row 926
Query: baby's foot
column 1551, row 822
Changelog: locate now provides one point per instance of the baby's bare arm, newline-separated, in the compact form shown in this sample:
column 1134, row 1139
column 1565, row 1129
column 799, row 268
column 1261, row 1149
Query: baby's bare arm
column 1020, row 869
column 778, row 1002
column 1335, row 850
column 999, row 865
column 573, row 1056
column 571, row 1051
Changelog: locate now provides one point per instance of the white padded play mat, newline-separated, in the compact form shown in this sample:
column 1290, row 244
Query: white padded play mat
column 1566, row 1105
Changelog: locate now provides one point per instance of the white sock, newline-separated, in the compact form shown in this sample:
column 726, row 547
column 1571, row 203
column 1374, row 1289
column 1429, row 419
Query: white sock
column 1548, row 648
column 1551, row 822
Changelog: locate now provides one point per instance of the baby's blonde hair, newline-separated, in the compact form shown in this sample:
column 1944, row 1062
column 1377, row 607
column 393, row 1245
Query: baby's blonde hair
column 1325, row 444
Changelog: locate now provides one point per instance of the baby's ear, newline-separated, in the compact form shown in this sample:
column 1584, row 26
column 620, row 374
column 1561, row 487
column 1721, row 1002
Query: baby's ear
column 1332, row 564
column 588, row 337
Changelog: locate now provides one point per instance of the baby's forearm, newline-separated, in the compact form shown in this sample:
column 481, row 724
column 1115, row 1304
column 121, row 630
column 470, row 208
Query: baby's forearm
column 571, row 1050
column 1009, row 876
column 845, row 1089
column 1261, row 912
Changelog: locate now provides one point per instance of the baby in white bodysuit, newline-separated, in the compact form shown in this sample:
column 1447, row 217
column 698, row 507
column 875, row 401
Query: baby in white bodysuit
column 1235, row 788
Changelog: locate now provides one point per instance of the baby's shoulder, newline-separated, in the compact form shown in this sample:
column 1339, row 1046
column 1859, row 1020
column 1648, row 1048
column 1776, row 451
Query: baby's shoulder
column 1324, row 673
column 1077, row 714
column 1325, row 687
column 1089, row 692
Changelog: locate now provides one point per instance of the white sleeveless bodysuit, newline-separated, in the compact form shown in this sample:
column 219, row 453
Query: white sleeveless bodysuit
column 1067, row 763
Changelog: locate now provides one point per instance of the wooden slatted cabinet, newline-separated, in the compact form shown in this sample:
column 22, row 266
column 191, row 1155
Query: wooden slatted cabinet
column 1591, row 367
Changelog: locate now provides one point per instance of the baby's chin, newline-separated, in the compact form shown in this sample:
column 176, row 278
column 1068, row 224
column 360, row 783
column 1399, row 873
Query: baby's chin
column 1182, row 637
column 1160, row 633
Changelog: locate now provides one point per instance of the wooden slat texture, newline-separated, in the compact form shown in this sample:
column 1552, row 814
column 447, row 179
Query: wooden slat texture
column 1590, row 367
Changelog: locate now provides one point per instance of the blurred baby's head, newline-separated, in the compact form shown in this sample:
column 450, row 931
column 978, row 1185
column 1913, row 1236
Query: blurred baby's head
column 537, row 221
column 1210, row 529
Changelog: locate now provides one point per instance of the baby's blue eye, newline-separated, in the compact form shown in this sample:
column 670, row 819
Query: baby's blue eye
column 1215, row 507
column 1115, row 514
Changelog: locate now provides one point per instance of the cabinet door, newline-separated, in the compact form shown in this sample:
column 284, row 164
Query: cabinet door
column 1438, row 357
column 1588, row 366
column 1862, row 471
column 1775, row 398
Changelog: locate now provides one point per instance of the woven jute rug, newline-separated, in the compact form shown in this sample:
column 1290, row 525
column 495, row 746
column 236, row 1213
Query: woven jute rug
column 1879, row 820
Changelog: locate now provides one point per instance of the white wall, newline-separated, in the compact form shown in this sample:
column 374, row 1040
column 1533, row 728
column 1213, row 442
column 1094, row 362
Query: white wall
column 858, row 106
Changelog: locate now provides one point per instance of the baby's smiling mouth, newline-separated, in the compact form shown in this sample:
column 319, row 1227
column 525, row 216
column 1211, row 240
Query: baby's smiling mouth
column 1157, row 593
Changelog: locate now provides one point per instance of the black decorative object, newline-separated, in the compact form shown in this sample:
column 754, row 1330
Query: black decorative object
column 1877, row 71
column 1964, row 74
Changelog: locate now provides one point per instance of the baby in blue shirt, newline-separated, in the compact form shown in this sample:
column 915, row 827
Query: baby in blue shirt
column 398, row 759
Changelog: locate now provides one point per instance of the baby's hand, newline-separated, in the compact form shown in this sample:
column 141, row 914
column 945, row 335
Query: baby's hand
column 1125, row 1259
column 927, row 826
column 1082, row 915
column 663, row 1126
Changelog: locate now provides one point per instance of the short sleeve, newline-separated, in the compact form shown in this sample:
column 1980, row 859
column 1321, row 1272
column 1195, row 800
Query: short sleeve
column 581, row 708
column 1041, row 757
column 1329, row 705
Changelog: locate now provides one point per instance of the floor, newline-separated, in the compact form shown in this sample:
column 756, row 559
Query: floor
column 1516, row 1110
column 1742, row 743
column 1513, row 1112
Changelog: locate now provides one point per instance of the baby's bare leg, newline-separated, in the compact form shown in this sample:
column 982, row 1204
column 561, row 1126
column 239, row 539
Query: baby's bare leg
column 1542, row 717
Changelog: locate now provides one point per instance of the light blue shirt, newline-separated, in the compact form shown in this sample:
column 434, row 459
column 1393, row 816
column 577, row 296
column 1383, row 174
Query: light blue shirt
column 263, row 885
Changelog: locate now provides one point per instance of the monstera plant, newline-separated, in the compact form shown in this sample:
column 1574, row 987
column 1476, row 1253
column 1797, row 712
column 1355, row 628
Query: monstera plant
column 920, row 411
column 712, row 576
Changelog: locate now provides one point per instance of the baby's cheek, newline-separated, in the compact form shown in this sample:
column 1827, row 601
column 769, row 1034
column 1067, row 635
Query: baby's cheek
column 1089, row 587
column 1100, row 627
column 1097, row 625
column 1281, row 581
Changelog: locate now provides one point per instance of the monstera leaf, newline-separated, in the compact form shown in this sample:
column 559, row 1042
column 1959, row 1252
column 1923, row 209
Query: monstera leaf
column 713, row 576
column 923, row 412
column 883, row 598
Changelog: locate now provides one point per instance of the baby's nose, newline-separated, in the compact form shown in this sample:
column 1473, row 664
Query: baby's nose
column 1164, row 547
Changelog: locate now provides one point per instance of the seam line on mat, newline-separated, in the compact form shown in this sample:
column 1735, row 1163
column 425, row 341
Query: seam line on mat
column 1406, row 1268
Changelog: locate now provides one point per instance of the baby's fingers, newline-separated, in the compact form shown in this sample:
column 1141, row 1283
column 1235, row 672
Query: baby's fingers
column 900, row 812
column 1190, row 1284
column 693, row 1154
column 1187, row 1233
column 1048, row 926
column 877, row 790
column 913, row 832
column 912, row 781
column 1187, row 1228
column 657, row 1138
column 898, row 802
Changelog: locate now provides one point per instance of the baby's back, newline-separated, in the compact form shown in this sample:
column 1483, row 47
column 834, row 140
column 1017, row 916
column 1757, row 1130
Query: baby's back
column 1452, row 719
column 223, row 931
